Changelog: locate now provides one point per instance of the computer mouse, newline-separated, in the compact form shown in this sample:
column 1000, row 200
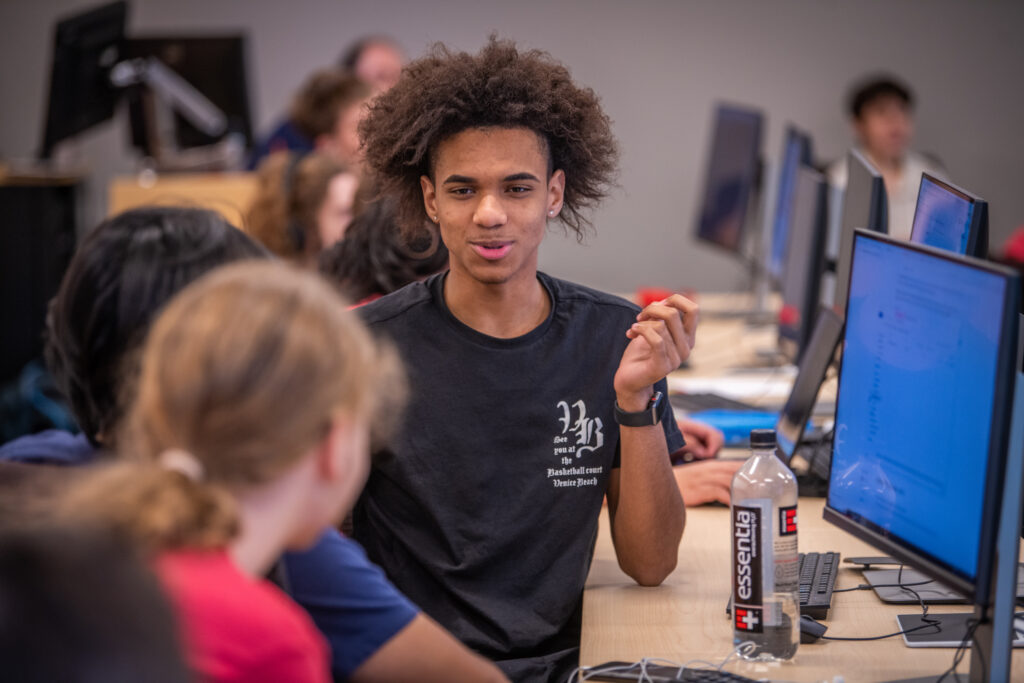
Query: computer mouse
column 810, row 630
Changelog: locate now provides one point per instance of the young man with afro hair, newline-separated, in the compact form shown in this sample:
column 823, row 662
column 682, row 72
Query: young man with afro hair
column 532, row 398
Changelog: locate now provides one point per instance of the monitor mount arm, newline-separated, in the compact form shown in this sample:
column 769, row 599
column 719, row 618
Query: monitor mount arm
column 171, row 93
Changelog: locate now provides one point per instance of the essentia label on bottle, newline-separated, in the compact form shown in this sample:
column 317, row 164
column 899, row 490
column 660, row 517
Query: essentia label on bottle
column 748, row 558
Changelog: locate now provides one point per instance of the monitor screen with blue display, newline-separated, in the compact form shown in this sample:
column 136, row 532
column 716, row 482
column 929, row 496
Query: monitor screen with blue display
column 946, row 217
column 923, row 410
column 796, row 151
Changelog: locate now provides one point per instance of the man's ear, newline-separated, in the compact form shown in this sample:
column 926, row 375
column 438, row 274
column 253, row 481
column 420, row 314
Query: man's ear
column 429, row 197
column 556, row 192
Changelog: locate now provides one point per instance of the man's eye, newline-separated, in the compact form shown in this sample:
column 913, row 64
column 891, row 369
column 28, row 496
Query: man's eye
column 460, row 191
column 519, row 189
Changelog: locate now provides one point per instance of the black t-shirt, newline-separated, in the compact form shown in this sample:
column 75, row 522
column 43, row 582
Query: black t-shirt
column 485, row 510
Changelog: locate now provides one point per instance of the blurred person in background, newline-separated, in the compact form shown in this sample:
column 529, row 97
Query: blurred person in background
column 303, row 204
column 375, row 60
column 881, row 110
column 375, row 259
column 324, row 117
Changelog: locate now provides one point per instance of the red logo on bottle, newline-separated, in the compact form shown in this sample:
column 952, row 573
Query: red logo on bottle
column 787, row 521
column 748, row 619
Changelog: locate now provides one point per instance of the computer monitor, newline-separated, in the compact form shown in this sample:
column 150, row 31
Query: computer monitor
column 733, row 175
column 864, row 206
column 801, row 279
column 215, row 65
column 796, row 152
column 821, row 349
column 924, row 410
column 950, row 218
column 86, row 47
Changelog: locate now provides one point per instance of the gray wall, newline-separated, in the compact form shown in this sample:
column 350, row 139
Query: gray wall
column 659, row 67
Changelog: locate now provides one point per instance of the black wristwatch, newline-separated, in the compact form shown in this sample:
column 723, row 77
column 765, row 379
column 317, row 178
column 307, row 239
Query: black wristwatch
column 651, row 415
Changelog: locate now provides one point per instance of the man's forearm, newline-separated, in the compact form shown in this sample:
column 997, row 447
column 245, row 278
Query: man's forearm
column 647, row 513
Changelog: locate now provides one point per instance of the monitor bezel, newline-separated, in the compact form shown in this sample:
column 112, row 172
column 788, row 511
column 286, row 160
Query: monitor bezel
column 978, row 214
column 878, row 222
column 793, row 339
column 980, row 590
column 751, row 196
column 786, row 427
column 792, row 134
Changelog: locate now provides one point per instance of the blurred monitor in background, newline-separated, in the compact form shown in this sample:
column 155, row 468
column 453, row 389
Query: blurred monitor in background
column 731, row 182
column 215, row 65
column 796, row 152
column 86, row 47
column 881, row 110
column 950, row 218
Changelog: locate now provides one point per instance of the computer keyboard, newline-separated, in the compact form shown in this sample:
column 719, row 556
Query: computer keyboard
column 694, row 403
column 625, row 671
column 817, row 580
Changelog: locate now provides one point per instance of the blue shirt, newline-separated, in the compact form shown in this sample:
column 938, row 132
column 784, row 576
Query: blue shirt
column 349, row 599
column 284, row 137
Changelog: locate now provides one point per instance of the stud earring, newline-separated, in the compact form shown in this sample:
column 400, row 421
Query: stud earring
column 551, row 212
column 435, row 219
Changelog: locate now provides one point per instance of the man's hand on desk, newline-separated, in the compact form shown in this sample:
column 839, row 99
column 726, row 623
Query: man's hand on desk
column 707, row 481
column 702, row 440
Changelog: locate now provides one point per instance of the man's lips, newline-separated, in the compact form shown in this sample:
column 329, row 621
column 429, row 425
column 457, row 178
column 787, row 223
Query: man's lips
column 492, row 250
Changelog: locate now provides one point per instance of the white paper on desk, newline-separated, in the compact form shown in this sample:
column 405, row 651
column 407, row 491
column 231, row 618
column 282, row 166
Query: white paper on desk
column 735, row 387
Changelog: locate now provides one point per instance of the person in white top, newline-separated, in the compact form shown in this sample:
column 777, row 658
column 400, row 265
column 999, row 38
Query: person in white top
column 881, row 110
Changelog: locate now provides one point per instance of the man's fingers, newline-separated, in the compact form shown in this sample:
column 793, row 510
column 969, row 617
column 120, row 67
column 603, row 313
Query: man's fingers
column 680, row 316
column 660, row 341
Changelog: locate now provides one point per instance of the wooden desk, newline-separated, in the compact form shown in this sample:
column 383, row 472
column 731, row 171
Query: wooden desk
column 684, row 618
column 229, row 193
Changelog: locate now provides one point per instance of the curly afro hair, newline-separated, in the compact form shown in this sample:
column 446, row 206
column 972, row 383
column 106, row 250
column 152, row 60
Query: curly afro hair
column 446, row 93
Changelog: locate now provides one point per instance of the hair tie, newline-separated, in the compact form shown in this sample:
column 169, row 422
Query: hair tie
column 182, row 462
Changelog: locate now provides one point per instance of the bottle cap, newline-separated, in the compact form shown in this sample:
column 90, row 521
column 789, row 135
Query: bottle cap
column 762, row 438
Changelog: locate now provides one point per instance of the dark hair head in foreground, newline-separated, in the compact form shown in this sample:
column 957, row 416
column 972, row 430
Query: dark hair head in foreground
column 78, row 606
column 121, row 275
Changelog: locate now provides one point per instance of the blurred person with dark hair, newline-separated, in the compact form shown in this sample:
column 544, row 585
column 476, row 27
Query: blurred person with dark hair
column 375, row 60
column 375, row 259
column 881, row 110
column 122, row 274
column 303, row 204
column 78, row 606
column 324, row 117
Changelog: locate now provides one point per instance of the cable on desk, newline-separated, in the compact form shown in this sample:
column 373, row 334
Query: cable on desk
column 586, row 673
column 961, row 650
column 928, row 622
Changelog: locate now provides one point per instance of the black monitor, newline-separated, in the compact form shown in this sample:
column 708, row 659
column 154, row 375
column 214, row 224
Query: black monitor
column 924, row 410
column 733, row 174
column 796, row 152
column 864, row 206
column 950, row 218
column 805, row 252
column 86, row 47
column 215, row 65
column 821, row 349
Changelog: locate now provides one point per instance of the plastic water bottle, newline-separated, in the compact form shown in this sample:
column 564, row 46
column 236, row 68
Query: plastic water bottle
column 765, row 564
